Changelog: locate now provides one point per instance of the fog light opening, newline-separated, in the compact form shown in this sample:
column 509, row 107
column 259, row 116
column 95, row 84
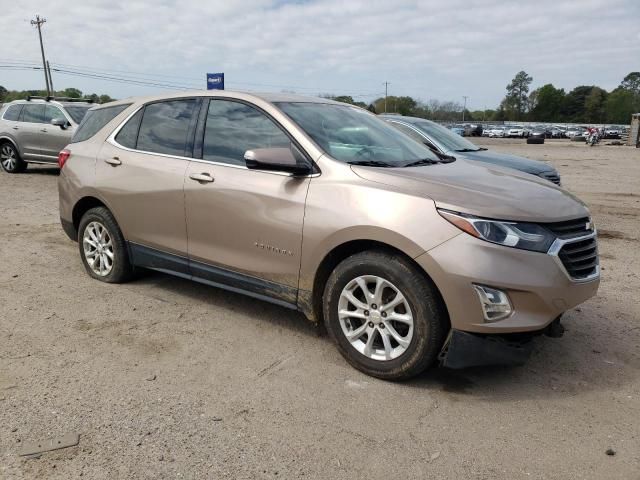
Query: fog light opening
column 495, row 303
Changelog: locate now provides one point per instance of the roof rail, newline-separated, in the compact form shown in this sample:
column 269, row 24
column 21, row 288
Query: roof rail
column 60, row 99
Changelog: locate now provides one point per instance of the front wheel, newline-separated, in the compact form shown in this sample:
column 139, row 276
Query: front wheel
column 385, row 316
column 10, row 159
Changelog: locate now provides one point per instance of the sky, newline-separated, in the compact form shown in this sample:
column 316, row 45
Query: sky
column 425, row 49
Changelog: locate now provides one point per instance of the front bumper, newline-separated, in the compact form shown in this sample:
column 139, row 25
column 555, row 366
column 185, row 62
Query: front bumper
column 537, row 286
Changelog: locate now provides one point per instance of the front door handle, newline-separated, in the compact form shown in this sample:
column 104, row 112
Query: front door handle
column 44, row 130
column 201, row 177
column 115, row 161
column 16, row 128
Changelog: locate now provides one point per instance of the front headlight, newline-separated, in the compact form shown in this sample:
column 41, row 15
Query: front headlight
column 527, row 236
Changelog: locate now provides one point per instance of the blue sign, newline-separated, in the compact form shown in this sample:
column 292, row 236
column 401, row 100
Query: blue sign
column 215, row 81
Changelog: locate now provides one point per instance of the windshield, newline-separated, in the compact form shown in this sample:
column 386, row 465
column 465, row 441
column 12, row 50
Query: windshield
column 450, row 141
column 352, row 135
column 77, row 113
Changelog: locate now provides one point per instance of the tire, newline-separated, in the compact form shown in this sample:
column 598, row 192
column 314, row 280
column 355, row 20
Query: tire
column 10, row 159
column 110, row 269
column 419, row 302
column 535, row 141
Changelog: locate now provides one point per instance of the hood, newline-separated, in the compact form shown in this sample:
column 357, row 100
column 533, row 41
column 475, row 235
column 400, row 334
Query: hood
column 482, row 189
column 534, row 167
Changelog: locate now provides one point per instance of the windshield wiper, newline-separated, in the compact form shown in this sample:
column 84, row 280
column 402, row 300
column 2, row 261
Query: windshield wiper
column 423, row 161
column 370, row 163
column 470, row 149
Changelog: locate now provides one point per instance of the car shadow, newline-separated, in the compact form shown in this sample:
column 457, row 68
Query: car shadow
column 34, row 169
column 557, row 368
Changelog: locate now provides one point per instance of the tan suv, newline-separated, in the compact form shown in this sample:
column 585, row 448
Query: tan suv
column 407, row 257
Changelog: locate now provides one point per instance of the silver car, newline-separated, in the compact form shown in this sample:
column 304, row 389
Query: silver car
column 36, row 129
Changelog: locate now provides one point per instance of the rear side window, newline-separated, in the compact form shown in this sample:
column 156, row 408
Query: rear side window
column 165, row 127
column 232, row 128
column 77, row 112
column 33, row 113
column 94, row 120
column 13, row 113
column 128, row 135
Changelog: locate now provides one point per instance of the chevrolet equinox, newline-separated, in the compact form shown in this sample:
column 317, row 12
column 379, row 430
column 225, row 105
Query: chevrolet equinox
column 407, row 256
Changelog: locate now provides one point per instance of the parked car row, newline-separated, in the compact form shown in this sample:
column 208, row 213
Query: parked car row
column 547, row 131
column 410, row 243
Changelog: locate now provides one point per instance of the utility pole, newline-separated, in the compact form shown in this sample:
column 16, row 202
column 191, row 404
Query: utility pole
column 386, row 85
column 465, row 106
column 38, row 22
column 50, row 78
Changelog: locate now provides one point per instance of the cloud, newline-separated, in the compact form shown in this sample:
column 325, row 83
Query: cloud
column 426, row 49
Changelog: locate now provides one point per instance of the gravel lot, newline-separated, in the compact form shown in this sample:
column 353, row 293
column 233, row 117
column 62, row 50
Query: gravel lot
column 163, row 378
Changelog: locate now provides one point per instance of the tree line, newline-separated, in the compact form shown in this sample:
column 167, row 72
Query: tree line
column 11, row 95
column 583, row 104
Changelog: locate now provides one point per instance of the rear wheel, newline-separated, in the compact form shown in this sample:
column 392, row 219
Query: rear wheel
column 10, row 159
column 102, row 247
column 384, row 315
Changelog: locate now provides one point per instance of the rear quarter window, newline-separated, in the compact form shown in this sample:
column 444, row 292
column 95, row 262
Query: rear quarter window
column 94, row 120
column 13, row 113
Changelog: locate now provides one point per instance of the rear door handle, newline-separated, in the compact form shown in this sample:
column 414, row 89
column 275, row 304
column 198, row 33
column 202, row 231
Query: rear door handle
column 115, row 161
column 201, row 177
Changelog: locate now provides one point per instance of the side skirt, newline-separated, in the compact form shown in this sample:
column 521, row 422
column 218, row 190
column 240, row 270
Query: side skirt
column 172, row 264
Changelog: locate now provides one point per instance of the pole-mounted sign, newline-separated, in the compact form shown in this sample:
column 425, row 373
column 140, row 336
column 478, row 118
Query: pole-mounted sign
column 215, row 81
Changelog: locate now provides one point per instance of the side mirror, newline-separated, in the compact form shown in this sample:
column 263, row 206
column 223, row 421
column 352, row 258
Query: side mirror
column 277, row 159
column 60, row 122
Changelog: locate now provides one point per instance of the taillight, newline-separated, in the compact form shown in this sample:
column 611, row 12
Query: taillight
column 63, row 156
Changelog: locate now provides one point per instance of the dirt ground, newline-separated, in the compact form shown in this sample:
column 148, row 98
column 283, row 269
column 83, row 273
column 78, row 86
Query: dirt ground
column 163, row 378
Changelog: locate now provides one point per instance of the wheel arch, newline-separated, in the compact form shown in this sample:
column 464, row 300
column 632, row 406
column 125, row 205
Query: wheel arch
column 82, row 206
column 312, row 307
column 7, row 139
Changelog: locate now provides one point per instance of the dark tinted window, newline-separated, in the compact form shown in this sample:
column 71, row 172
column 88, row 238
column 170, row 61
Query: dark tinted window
column 77, row 112
column 94, row 120
column 232, row 128
column 128, row 135
column 165, row 126
column 33, row 113
column 51, row 113
column 13, row 113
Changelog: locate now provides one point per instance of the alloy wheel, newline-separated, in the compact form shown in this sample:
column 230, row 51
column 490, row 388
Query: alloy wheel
column 375, row 317
column 98, row 248
column 8, row 158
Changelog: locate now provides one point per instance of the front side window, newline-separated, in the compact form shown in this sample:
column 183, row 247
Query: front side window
column 165, row 127
column 352, row 135
column 232, row 128
column 33, row 113
column 51, row 113
column 94, row 120
column 409, row 131
column 445, row 137
column 13, row 113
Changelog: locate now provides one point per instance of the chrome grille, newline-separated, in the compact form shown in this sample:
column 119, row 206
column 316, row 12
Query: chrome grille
column 580, row 258
column 571, row 228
